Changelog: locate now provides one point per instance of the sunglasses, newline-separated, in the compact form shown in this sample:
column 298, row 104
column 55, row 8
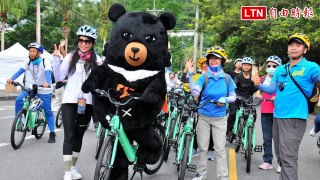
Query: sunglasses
column 274, row 66
column 85, row 41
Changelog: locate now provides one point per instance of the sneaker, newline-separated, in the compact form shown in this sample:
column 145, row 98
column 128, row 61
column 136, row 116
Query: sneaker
column 279, row 169
column 52, row 137
column 75, row 174
column 312, row 133
column 67, row 175
column 211, row 155
column 265, row 166
column 200, row 176
column 194, row 153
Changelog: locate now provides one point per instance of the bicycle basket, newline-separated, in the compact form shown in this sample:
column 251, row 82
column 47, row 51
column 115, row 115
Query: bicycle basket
column 35, row 104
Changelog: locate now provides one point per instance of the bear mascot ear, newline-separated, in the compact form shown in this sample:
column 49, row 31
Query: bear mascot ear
column 168, row 20
column 116, row 11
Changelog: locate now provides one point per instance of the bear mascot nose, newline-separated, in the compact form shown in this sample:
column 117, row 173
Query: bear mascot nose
column 135, row 49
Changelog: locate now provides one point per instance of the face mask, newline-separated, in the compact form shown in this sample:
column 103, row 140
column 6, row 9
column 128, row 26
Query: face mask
column 36, row 61
column 215, row 68
column 271, row 70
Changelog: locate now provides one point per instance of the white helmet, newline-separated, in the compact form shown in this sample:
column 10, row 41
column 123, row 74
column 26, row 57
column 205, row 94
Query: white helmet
column 87, row 31
column 274, row 59
column 35, row 105
column 247, row 60
column 238, row 59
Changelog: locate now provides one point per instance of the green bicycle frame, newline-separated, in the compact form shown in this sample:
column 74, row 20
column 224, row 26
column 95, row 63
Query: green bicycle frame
column 187, row 129
column 118, row 131
column 236, row 123
column 174, row 115
column 249, row 123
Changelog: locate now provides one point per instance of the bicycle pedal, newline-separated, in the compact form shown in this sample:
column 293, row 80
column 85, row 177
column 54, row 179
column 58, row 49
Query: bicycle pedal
column 175, row 163
column 258, row 148
column 172, row 142
column 192, row 168
column 138, row 168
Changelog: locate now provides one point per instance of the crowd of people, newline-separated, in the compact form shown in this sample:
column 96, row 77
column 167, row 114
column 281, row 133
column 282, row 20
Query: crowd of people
column 282, row 122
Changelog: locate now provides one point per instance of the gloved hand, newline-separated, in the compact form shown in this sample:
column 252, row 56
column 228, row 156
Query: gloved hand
column 222, row 100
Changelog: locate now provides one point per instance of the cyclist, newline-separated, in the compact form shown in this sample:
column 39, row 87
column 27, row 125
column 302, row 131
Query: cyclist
column 213, row 115
column 172, row 81
column 245, row 89
column 76, row 106
column 290, row 119
column 267, row 108
column 38, row 71
column 58, row 92
column 237, row 68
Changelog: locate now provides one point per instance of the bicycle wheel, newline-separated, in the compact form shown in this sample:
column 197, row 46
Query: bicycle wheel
column 40, row 125
column 59, row 118
column 249, row 149
column 18, row 133
column 239, row 134
column 100, row 141
column 166, row 147
column 103, row 171
column 184, row 161
column 153, row 168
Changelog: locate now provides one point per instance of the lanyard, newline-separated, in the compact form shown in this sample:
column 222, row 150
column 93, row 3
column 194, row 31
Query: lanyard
column 35, row 75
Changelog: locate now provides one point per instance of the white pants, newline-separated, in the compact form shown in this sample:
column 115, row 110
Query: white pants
column 56, row 102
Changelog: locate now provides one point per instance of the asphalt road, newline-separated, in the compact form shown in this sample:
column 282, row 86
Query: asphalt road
column 38, row 160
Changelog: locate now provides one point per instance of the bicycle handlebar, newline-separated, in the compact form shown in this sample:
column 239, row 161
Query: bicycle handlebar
column 23, row 87
column 249, row 102
column 104, row 93
column 202, row 105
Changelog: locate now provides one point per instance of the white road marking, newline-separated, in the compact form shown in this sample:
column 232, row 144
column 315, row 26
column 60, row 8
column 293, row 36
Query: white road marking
column 7, row 117
column 3, row 144
column 6, row 108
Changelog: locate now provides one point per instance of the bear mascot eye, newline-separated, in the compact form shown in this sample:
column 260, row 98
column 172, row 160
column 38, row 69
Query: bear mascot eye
column 126, row 35
column 150, row 39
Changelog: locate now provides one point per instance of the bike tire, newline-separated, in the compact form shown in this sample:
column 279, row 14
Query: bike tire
column 239, row 134
column 183, row 165
column 59, row 118
column 249, row 149
column 100, row 142
column 153, row 168
column 103, row 171
column 40, row 125
column 14, row 144
column 166, row 143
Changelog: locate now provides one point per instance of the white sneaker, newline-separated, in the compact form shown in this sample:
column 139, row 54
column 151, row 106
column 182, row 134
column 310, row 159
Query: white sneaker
column 279, row 169
column 200, row 176
column 312, row 133
column 75, row 174
column 67, row 175
column 194, row 153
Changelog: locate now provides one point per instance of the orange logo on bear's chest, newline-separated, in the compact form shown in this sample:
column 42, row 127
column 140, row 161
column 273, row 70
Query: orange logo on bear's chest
column 124, row 89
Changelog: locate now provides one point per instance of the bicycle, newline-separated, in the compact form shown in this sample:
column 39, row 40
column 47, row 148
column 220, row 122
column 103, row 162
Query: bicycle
column 59, row 112
column 28, row 119
column 115, row 134
column 186, row 138
column 248, row 133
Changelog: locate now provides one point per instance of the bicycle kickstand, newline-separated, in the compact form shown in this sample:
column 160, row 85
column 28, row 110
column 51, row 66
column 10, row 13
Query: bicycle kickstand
column 138, row 168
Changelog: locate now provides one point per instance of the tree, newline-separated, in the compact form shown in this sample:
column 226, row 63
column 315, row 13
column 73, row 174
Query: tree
column 14, row 7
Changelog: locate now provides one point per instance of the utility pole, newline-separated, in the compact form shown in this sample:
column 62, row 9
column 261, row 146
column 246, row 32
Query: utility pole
column 155, row 11
column 38, row 23
column 195, row 40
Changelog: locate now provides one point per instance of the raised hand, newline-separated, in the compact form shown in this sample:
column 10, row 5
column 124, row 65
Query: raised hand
column 56, row 51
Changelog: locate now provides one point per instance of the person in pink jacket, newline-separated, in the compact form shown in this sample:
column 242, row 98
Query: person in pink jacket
column 267, row 108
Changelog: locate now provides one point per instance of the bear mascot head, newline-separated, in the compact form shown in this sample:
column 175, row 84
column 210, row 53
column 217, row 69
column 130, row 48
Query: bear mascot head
column 136, row 57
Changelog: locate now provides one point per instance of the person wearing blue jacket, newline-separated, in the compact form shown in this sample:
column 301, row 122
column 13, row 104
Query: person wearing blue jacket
column 37, row 71
column 290, row 119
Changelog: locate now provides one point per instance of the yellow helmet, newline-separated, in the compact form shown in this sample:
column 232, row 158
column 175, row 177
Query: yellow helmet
column 217, row 51
column 200, row 61
column 300, row 37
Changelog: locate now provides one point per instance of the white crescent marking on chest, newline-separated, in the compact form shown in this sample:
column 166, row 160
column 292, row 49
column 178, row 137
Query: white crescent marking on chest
column 133, row 75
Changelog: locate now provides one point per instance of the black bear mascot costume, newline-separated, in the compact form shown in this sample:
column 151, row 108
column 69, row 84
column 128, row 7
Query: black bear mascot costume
column 136, row 57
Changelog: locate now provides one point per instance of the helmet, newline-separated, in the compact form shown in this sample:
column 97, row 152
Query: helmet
column 247, row 60
column 274, row 59
column 37, row 46
column 200, row 61
column 217, row 51
column 301, row 38
column 35, row 105
column 87, row 31
column 238, row 59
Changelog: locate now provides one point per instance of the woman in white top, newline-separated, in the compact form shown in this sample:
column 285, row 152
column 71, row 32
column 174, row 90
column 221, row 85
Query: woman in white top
column 76, row 106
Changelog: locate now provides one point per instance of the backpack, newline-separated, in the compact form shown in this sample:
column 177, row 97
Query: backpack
column 206, row 81
column 315, row 92
column 52, row 76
